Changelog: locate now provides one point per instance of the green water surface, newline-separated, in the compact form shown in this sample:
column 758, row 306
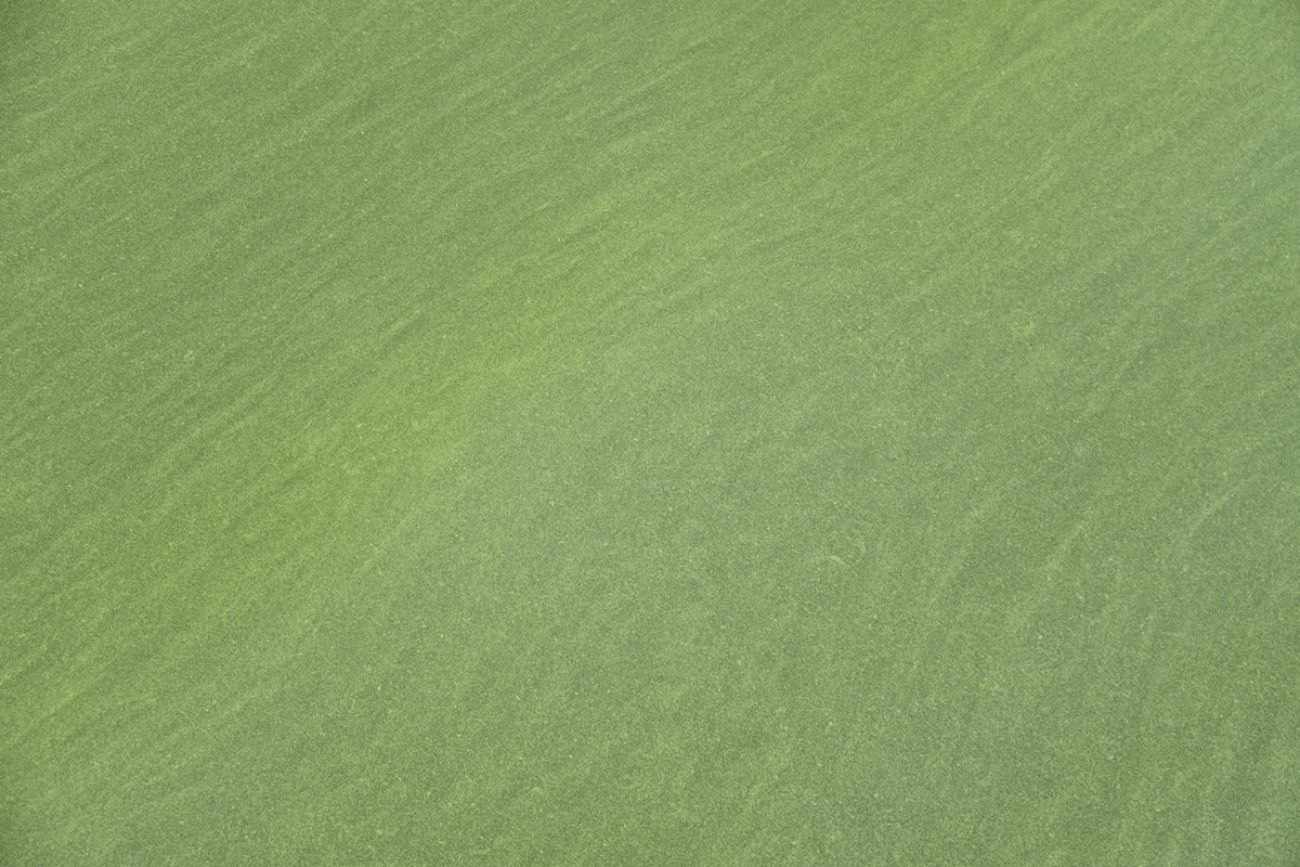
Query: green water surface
column 670, row 433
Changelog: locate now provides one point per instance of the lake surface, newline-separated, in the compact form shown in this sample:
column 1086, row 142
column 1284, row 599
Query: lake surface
column 613, row 434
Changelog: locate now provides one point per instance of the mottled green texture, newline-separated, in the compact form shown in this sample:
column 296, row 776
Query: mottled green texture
column 671, row 434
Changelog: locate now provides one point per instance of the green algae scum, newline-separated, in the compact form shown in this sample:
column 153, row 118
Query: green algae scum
column 588, row 433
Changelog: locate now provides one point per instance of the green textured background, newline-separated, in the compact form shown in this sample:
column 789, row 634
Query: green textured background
column 658, row 433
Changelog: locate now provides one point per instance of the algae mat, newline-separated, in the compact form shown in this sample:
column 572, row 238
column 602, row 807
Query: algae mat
column 667, row 433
